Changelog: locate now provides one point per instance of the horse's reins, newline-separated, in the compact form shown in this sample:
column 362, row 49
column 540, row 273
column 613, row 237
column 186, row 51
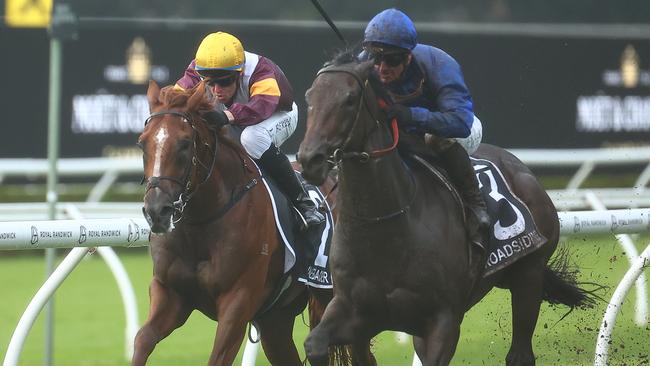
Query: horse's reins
column 362, row 156
column 339, row 154
column 187, row 194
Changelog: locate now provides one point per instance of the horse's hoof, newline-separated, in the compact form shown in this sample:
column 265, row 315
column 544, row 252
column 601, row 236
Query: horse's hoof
column 520, row 359
column 315, row 356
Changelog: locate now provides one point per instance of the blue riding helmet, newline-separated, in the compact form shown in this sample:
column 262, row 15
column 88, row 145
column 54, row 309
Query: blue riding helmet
column 391, row 27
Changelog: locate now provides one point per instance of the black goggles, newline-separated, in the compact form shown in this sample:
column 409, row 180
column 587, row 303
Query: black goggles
column 391, row 59
column 219, row 79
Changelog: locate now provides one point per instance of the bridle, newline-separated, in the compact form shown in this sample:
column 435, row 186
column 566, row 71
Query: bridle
column 186, row 181
column 342, row 153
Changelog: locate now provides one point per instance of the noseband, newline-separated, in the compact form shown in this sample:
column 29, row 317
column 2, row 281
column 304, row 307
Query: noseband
column 185, row 182
column 340, row 153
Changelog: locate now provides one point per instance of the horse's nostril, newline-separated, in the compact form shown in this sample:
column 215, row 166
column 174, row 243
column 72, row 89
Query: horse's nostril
column 166, row 211
column 318, row 160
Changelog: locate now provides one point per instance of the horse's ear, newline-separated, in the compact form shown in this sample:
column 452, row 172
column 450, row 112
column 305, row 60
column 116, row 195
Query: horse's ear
column 197, row 98
column 152, row 95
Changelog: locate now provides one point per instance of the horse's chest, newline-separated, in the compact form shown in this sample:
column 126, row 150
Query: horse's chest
column 197, row 277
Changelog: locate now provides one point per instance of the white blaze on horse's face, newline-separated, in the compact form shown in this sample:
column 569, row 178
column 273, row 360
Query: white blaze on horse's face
column 160, row 138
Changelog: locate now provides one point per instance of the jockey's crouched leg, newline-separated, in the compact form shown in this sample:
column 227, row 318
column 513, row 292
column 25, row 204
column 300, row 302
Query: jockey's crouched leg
column 461, row 173
column 277, row 165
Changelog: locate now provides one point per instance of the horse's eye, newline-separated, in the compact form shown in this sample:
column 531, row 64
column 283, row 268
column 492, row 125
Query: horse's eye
column 350, row 100
column 184, row 144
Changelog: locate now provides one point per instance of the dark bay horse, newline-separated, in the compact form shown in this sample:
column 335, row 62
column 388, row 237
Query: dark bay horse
column 400, row 258
column 215, row 246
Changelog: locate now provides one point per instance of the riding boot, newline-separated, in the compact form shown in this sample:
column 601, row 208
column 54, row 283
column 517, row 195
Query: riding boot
column 277, row 165
column 460, row 170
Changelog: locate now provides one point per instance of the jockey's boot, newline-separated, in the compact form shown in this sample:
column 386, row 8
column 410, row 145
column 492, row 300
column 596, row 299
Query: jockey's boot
column 277, row 165
column 456, row 162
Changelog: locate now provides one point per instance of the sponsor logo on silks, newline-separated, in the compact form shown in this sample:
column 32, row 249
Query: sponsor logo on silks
column 34, row 239
column 82, row 234
column 134, row 232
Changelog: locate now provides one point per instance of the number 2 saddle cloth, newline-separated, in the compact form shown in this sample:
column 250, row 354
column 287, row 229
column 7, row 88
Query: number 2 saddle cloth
column 306, row 251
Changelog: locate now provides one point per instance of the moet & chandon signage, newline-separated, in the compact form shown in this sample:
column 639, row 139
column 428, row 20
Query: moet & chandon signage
column 626, row 105
column 107, row 113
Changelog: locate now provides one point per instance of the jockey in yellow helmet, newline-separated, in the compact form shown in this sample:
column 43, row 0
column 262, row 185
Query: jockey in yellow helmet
column 254, row 95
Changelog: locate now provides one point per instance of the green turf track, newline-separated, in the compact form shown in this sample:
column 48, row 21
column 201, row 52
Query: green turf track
column 89, row 329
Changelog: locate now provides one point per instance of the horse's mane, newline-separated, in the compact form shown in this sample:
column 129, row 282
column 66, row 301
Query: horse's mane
column 343, row 57
column 350, row 57
column 173, row 97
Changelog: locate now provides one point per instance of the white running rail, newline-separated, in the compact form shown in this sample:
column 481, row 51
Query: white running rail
column 82, row 235
column 584, row 160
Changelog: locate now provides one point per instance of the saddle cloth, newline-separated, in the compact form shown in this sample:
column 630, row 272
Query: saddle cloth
column 513, row 233
column 306, row 252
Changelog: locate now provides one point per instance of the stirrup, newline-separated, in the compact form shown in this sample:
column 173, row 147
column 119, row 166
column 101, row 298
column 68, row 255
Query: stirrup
column 309, row 214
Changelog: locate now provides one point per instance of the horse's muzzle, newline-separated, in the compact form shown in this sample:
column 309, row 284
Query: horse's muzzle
column 158, row 212
column 314, row 167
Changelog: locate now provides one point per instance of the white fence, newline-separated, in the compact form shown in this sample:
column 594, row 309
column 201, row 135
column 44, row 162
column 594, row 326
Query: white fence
column 82, row 235
column 131, row 232
column 583, row 160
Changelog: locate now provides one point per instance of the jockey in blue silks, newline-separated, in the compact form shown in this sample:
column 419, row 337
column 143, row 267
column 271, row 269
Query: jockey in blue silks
column 429, row 97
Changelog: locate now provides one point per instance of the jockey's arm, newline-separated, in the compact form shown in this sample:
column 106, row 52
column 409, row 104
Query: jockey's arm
column 265, row 93
column 189, row 79
column 264, row 100
column 454, row 114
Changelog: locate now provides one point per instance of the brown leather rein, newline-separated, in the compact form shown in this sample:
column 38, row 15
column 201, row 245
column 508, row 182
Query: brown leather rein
column 362, row 156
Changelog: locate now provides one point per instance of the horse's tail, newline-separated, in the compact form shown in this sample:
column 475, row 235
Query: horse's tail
column 338, row 355
column 561, row 285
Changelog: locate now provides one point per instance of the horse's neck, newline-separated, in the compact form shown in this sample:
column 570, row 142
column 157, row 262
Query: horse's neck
column 378, row 187
column 228, row 175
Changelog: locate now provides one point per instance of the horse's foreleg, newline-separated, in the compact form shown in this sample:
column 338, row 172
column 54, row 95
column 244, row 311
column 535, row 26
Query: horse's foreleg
column 276, row 334
column 526, row 288
column 441, row 339
column 361, row 353
column 167, row 311
column 339, row 326
column 420, row 346
column 235, row 311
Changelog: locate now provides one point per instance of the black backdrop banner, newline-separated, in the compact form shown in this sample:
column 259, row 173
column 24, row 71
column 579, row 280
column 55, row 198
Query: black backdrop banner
column 528, row 92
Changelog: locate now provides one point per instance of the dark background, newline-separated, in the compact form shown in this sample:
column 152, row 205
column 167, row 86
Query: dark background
column 524, row 87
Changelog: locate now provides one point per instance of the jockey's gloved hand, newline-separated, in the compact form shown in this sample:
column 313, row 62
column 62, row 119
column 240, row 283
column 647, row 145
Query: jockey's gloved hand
column 404, row 117
column 217, row 119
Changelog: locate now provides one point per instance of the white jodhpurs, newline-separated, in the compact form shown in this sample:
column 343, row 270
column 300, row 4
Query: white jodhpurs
column 471, row 142
column 276, row 129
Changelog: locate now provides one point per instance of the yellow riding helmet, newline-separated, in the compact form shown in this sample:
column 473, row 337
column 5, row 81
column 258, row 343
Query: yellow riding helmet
column 220, row 51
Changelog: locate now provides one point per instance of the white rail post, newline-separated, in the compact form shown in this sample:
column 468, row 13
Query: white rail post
column 641, row 313
column 38, row 302
column 614, row 306
column 128, row 298
column 124, row 285
column 251, row 349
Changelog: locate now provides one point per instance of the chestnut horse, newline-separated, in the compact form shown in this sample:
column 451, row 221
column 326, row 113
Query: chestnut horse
column 215, row 246
column 400, row 257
